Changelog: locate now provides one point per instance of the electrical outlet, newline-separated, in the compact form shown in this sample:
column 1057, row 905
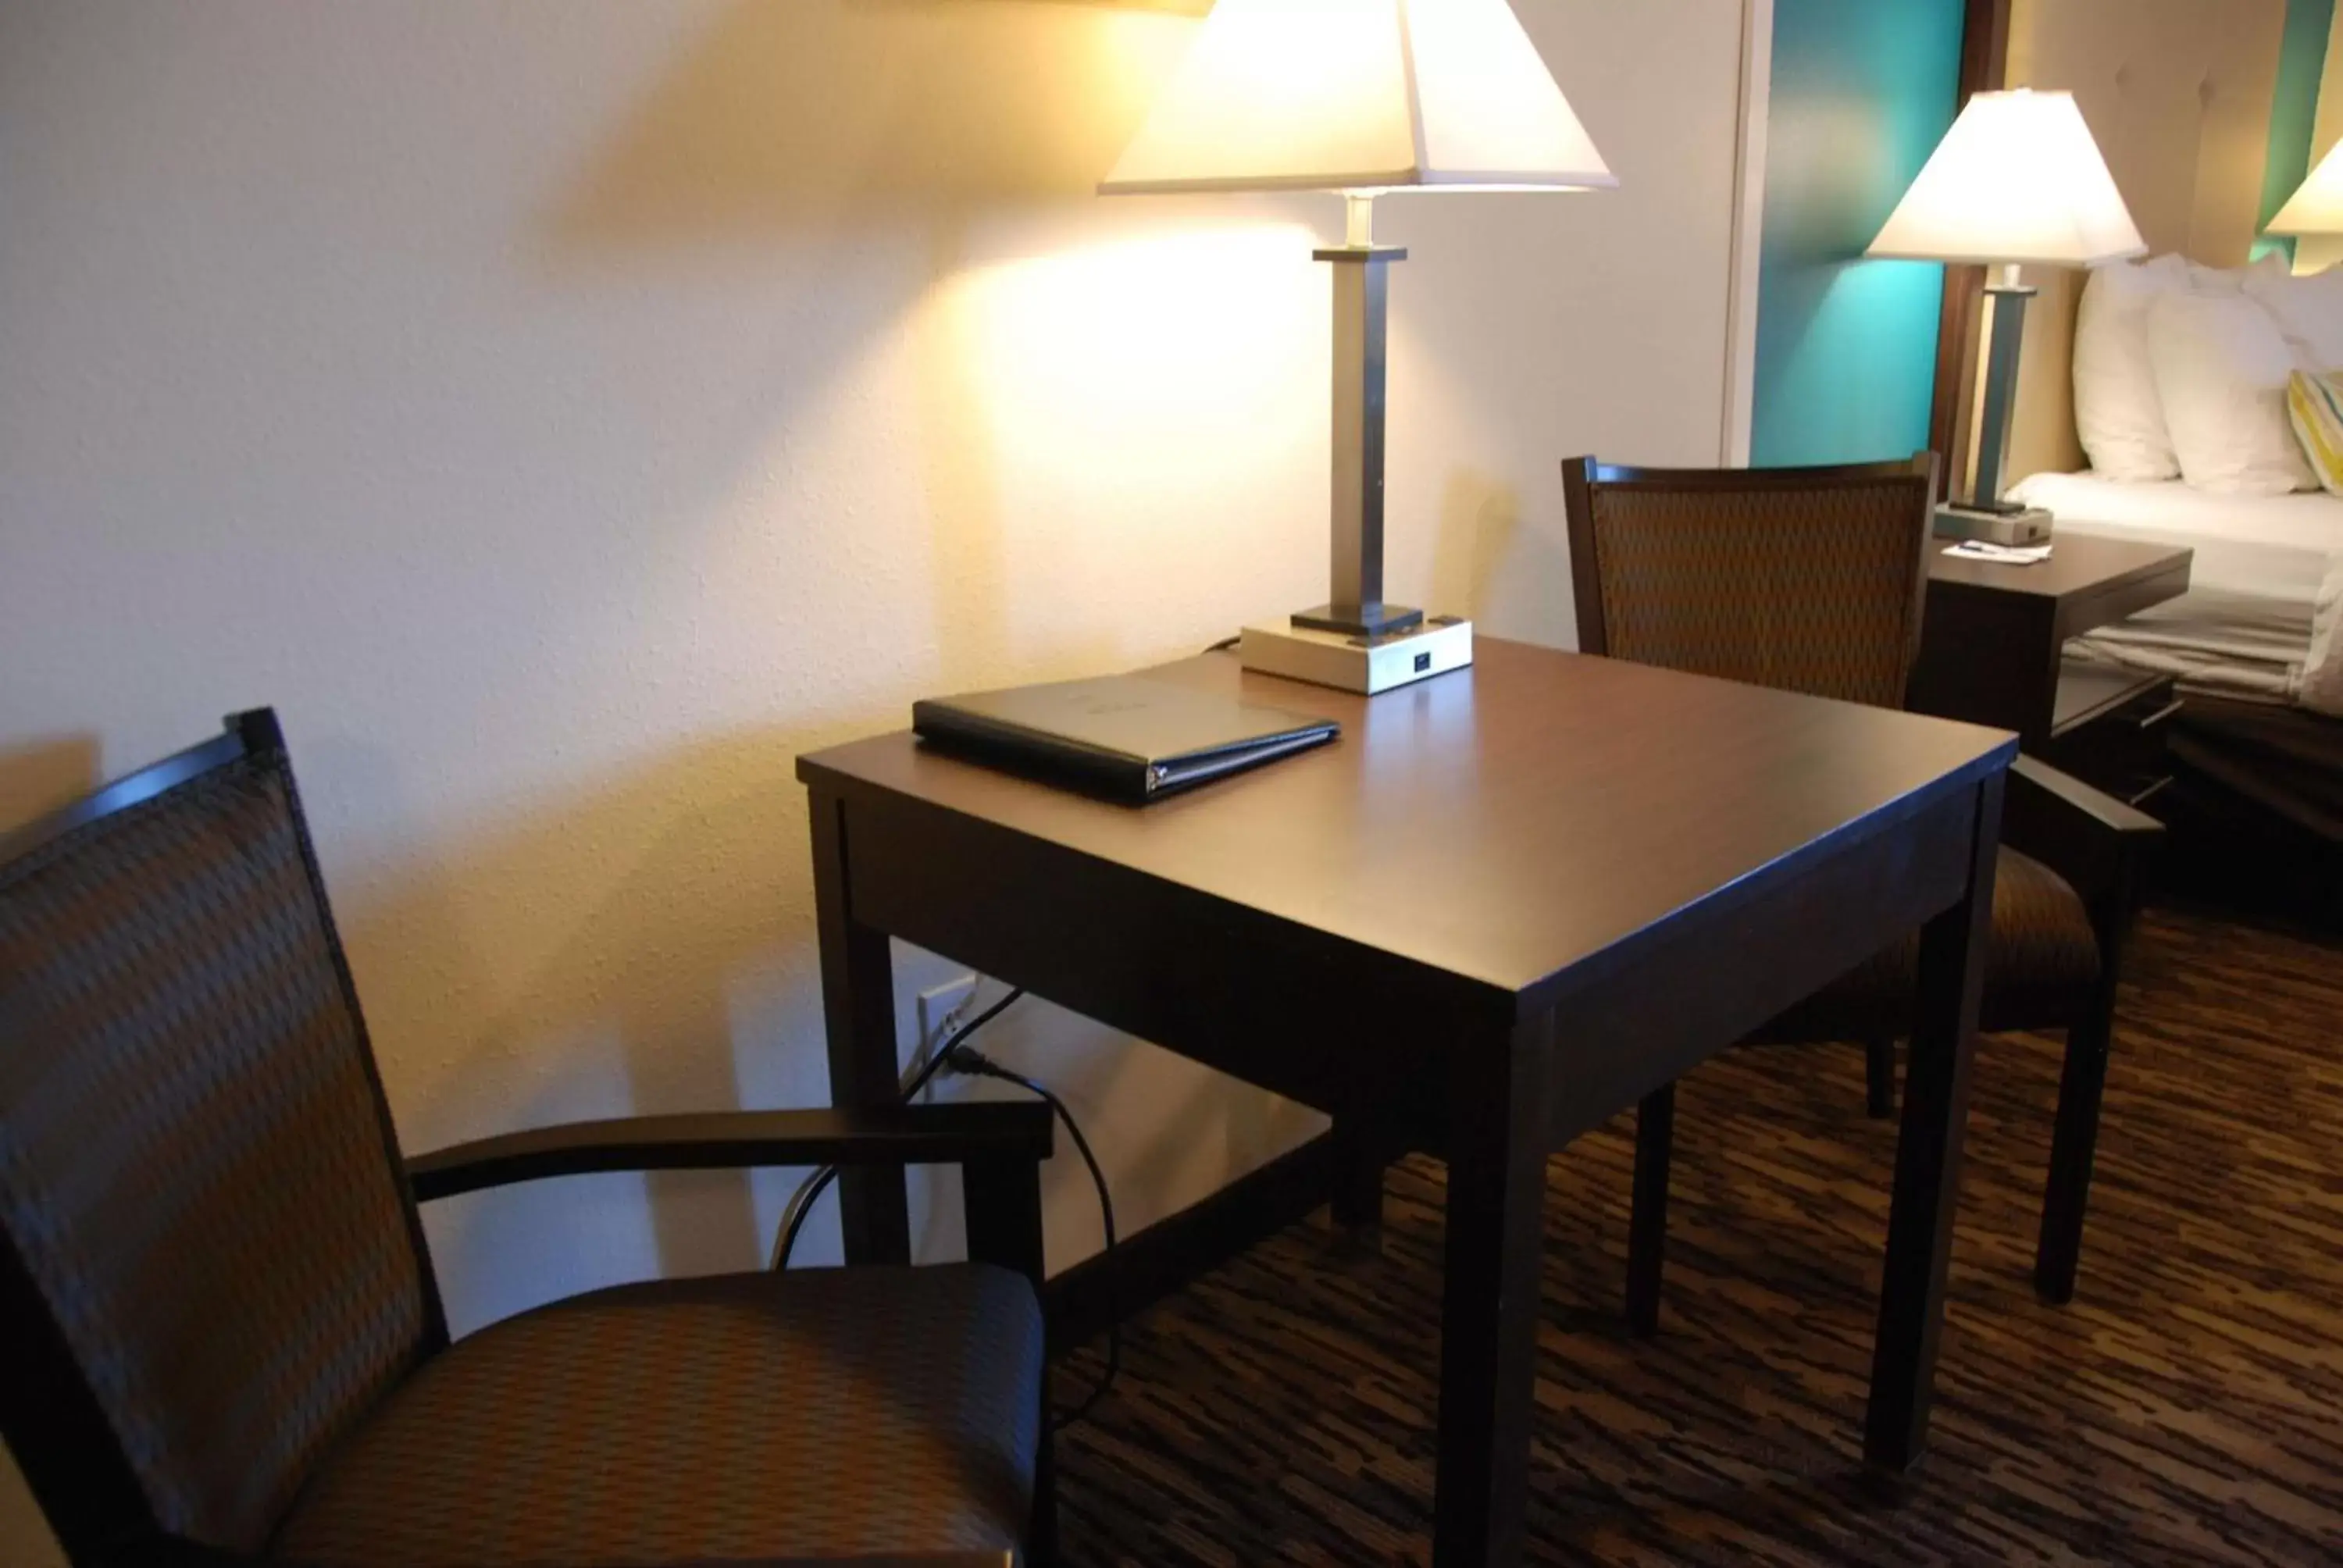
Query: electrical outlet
column 942, row 1010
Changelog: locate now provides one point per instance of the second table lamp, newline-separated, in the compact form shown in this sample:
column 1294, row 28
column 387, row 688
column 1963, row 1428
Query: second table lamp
column 2017, row 181
column 1359, row 96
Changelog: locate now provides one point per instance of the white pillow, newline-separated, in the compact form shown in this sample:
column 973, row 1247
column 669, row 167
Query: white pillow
column 2235, row 279
column 2116, row 412
column 2221, row 367
column 2308, row 311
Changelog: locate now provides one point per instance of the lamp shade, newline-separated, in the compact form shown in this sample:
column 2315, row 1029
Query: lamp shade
column 2318, row 206
column 2017, row 179
column 1359, row 95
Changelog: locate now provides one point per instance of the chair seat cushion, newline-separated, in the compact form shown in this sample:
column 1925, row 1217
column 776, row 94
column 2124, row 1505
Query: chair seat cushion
column 735, row 1419
column 2040, row 965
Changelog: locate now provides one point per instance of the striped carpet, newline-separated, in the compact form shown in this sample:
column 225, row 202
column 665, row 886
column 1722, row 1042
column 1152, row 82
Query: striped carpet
column 2187, row 1409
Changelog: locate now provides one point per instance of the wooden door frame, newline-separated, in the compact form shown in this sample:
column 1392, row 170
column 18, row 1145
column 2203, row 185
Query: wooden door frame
column 1984, row 61
column 1743, row 270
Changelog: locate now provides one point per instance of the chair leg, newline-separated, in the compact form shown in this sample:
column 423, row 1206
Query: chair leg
column 1647, row 1223
column 2082, row 1084
column 2074, row 1141
column 1879, row 1077
column 1042, row 1541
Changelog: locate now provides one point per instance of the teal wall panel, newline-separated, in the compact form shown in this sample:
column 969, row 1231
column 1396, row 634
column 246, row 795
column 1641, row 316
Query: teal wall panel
column 2293, row 111
column 1862, row 91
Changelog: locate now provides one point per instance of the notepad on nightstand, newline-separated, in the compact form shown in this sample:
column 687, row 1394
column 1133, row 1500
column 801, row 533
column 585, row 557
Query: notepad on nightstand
column 2002, row 555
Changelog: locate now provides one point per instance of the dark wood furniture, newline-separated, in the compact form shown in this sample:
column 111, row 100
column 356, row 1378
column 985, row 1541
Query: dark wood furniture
column 223, row 1340
column 1993, row 650
column 2251, row 791
column 2256, row 808
column 1506, row 905
column 1811, row 580
column 2110, row 730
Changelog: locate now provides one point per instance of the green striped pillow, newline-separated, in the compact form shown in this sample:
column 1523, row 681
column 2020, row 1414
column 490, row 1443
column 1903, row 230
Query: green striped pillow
column 2314, row 405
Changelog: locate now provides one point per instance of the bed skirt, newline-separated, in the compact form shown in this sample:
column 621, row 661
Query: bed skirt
column 2255, row 804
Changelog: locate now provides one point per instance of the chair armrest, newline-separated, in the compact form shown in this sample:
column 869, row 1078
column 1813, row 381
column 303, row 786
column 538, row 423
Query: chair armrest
column 2095, row 842
column 173, row 1552
column 985, row 1132
column 2037, row 778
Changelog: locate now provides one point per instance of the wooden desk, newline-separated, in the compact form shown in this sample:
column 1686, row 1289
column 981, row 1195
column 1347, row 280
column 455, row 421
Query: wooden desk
column 1507, row 904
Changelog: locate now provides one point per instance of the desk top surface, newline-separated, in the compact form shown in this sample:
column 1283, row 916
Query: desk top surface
column 1504, row 822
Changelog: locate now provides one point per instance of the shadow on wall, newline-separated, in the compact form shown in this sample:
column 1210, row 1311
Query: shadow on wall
column 619, row 951
column 796, row 115
column 639, row 948
column 907, row 123
column 1479, row 519
column 682, row 894
column 37, row 777
column 1486, row 565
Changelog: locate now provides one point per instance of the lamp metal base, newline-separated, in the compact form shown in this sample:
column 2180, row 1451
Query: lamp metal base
column 1362, row 664
column 1360, row 620
column 2022, row 526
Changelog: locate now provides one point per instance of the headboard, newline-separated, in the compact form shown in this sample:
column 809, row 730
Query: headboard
column 2179, row 94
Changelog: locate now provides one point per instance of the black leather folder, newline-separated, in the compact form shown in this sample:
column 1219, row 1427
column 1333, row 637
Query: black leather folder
column 1123, row 737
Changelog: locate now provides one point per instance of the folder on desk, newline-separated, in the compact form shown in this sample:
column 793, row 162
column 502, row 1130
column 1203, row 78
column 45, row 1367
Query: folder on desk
column 1123, row 737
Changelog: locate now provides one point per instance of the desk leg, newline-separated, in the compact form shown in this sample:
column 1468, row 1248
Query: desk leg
column 1928, row 1157
column 1359, row 1164
column 1647, row 1213
column 858, row 1004
column 1496, row 1136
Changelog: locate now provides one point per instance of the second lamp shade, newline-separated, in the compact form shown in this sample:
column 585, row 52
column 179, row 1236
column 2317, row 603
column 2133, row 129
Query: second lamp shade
column 2318, row 206
column 2017, row 179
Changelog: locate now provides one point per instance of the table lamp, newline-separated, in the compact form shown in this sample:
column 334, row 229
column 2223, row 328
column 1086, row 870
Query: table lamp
column 2017, row 181
column 1359, row 96
column 2316, row 206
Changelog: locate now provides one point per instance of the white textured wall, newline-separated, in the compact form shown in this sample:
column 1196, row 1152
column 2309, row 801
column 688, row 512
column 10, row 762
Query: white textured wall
column 566, row 411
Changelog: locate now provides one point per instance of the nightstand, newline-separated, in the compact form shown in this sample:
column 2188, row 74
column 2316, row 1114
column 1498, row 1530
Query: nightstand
column 2108, row 730
column 1993, row 651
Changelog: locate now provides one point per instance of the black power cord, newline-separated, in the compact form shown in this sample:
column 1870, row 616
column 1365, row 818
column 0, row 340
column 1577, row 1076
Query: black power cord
column 810, row 1190
column 956, row 1055
column 974, row 1063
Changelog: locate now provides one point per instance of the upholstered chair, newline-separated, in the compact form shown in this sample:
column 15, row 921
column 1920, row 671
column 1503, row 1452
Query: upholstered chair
column 224, row 1342
column 1814, row 580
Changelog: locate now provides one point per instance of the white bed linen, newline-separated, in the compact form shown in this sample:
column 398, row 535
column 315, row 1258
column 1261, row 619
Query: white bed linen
column 2265, row 591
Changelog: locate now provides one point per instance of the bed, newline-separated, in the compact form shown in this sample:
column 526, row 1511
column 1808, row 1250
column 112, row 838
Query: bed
column 2181, row 95
column 2256, row 749
column 2266, row 588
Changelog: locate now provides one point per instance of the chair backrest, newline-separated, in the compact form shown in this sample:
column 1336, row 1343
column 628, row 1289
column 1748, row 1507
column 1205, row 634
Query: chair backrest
column 1809, row 580
column 210, row 1265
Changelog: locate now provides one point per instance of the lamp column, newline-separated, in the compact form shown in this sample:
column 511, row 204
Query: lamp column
column 1362, row 294
column 2009, row 297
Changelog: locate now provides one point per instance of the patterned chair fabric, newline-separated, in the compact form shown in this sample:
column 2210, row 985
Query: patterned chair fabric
column 638, row 1426
column 186, row 1093
column 207, row 1240
column 2041, row 960
column 1812, row 591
